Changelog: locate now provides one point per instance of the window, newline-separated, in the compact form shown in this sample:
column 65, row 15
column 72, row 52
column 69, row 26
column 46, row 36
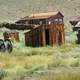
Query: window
column 49, row 22
column 40, row 22
column 56, row 20
column 60, row 20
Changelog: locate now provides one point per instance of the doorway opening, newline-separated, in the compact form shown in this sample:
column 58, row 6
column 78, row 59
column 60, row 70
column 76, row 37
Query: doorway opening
column 47, row 36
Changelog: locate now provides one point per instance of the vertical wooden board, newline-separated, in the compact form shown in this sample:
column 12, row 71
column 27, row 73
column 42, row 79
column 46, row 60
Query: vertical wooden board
column 50, row 35
column 60, row 34
column 63, row 34
column 53, row 34
column 26, row 39
column 56, row 32
column 32, row 38
column 62, row 31
column 43, row 36
column 35, row 38
column 39, row 37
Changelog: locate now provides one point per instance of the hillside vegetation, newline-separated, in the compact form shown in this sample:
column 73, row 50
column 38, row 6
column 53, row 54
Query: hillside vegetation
column 12, row 10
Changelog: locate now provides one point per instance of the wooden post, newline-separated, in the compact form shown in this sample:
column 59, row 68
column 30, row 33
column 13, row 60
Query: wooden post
column 53, row 34
column 63, row 35
column 43, row 36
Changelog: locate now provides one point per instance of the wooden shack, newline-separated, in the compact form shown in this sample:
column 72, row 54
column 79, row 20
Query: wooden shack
column 75, row 20
column 15, row 36
column 48, row 29
column 12, row 35
column 76, row 27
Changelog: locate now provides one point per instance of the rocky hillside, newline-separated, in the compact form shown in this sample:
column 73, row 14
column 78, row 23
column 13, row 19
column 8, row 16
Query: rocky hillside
column 11, row 10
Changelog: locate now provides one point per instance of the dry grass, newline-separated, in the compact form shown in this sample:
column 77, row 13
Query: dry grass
column 63, row 61
column 26, row 61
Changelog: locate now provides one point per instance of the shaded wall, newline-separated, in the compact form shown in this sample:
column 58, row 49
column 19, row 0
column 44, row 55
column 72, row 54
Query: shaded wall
column 37, row 37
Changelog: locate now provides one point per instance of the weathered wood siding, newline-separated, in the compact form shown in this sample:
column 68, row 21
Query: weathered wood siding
column 37, row 37
column 33, row 38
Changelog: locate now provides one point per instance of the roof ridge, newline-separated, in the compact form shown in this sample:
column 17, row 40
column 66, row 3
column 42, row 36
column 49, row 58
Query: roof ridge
column 44, row 14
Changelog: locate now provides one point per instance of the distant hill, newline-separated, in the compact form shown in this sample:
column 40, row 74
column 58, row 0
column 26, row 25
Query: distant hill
column 11, row 10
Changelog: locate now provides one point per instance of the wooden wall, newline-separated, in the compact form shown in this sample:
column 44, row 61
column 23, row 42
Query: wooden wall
column 37, row 37
column 56, row 34
column 33, row 38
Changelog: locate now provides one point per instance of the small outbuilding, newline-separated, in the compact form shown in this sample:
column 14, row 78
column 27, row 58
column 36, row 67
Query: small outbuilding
column 12, row 35
column 76, row 27
column 47, row 29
